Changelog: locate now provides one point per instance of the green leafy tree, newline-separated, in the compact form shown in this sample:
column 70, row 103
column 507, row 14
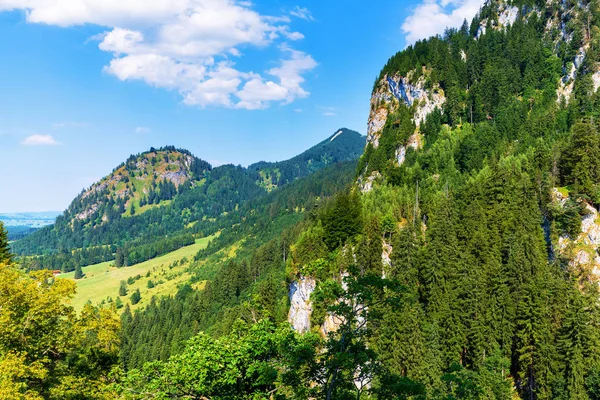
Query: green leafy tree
column 46, row 350
column 251, row 362
column 348, row 367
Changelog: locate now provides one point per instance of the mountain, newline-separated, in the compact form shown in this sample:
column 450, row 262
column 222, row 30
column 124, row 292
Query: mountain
column 167, row 192
column 480, row 191
column 144, row 181
column 343, row 145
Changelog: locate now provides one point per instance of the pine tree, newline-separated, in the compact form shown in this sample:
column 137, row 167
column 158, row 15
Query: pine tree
column 136, row 297
column 370, row 248
column 78, row 272
column 5, row 254
column 580, row 162
column 532, row 342
column 119, row 258
column 123, row 289
column 400, row 340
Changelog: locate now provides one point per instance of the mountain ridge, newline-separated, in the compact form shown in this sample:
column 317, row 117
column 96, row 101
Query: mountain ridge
column 172, row 184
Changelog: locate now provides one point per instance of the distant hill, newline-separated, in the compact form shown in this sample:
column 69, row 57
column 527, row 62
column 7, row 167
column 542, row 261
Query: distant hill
column 144, row 181
column 168, row 192
column 20, row 225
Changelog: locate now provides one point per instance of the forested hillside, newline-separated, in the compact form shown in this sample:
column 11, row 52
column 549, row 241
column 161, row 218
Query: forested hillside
column 479, row 198
column 463, row 263
column 164, row 193
column 343, row 145
column 251, row 283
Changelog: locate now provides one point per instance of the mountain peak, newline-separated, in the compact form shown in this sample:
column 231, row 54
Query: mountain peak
column 343, row 145
column 143, row 181
column 343, row 131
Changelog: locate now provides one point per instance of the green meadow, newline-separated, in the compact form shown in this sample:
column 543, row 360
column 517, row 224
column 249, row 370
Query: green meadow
column 101, row 281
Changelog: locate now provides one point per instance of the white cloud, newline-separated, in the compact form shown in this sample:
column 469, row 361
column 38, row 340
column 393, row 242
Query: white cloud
column 256, row 93
column 432, row 17
column 302, row 12
column 39, row 140
column 141, row 129
column 187, row 45
column 294, row 35
column 329, row 114
column 298, row 110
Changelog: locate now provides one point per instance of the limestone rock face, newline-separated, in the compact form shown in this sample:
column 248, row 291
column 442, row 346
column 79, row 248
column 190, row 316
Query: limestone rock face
column 391, row 91
column 366, row 184
column 300, row 304
column 582, row 250
column 301, row 307
column 386, row 255
column 586, row 246
column 331, row 324
column 507, row 15
column 401, row 155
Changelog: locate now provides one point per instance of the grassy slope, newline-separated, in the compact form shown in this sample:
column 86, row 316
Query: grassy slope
column 142, row 183
column 102, row 280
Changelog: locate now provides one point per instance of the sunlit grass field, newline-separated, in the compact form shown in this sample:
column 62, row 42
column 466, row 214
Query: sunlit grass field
column 101, row 281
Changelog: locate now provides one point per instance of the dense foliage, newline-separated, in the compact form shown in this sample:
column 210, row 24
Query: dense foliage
column 472, row 216
column 251, row 286
column 19, row 232
column 46, row 350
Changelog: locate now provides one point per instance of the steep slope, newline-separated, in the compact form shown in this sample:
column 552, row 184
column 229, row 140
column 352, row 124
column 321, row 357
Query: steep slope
column 479, row 194
column 343, row 145
column 243, row 270
column 463, row 81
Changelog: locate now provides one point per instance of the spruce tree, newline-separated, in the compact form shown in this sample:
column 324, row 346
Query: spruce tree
column 136, row 297
column 123, row 289
column 78, row 272
column 5, row 254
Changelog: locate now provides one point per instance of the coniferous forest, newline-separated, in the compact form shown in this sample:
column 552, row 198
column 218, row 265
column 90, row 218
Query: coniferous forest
column 456, row 258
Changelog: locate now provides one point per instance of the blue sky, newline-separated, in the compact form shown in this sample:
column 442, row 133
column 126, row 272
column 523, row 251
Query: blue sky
column 85, row 83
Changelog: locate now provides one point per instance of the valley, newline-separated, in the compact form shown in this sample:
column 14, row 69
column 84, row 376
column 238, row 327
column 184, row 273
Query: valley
column 20, row 225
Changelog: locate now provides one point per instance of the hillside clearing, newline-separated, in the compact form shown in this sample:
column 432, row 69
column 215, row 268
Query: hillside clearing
column 101, row 281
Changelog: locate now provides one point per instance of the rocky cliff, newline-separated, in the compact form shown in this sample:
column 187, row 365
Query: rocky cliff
column 580, row 250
